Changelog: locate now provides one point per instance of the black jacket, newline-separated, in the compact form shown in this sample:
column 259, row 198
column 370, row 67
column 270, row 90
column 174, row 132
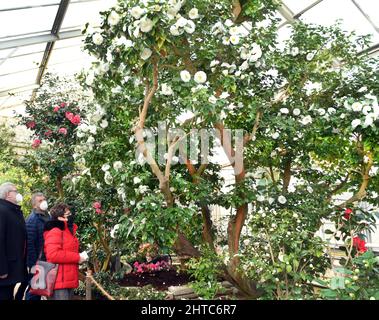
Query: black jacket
column 12, row 243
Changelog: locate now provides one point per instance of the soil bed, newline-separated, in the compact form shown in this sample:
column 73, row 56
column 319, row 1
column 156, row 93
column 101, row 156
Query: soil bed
column 159, row 280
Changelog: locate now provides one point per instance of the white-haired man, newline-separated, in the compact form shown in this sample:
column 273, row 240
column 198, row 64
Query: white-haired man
column 12, row 241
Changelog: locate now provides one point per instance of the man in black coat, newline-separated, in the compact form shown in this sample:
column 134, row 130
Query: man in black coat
column 12, row 241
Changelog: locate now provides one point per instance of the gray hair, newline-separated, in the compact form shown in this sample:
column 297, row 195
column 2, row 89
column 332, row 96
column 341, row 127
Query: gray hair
column 35, row 195
column 5, row 188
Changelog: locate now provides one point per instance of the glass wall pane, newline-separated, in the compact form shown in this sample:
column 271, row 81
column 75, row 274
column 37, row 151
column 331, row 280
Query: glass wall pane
column 24, row 21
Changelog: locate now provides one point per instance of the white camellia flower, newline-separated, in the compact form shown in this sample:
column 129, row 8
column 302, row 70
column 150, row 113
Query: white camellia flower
column 80, row 134
column 331, row 111
column 366, row 110
column 235, row 39
column 174, row 30
column 104, row 124
column 373, row 171
column 310, row 189
column 190, row 27
column 91, row 140
column 113, row 231
column 125, row 42
column 92, row 129
column 224, row 95
column 105, row 167
column 296, row 112
column 97, row 39
column 166, row 90
column 306, row 120
column 321, row 112
column 108, row 178
column 310, row 56
column 193, row 13
column 275, row 136
column 90, row 79
column 357, row 107
column 113, row 18
column 136, row 180
column 369, row 121
column 200, row 77
column 146, row 54
column 117, row 165
column 228, row 23
column 355, row 123
column 256, row 52
column 260, row 198
column 185, row 76
column 137, row 12
column 295, row 51
column 212, row 99
column 282, row 199
column 146, row 25
column 143, row 189
column 181, row 22
column 214, row 63
column 284, row 111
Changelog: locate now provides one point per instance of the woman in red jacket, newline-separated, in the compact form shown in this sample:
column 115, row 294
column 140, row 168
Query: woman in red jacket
column 62, row 247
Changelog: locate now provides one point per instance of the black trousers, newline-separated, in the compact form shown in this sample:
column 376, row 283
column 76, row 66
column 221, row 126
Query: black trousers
column 6, row 292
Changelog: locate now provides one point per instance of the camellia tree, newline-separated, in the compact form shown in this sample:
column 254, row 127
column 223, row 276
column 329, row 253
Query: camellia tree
column 307, row 109
column 53, row 118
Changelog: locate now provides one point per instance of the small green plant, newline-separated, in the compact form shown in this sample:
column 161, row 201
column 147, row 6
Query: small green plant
column 206, row 271
column 360, row 282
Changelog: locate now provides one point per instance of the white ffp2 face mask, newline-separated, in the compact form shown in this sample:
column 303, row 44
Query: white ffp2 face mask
column 43, row 205
column 19, row 198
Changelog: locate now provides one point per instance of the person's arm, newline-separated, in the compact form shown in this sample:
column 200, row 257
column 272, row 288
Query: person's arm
column 53, row 249
column 3, row 256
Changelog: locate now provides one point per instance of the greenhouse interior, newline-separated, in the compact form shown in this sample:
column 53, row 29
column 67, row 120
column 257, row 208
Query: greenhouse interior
column 189, row 150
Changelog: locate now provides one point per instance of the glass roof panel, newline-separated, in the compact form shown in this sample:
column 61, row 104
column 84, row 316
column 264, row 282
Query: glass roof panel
column 371, row 8
column 18, row 79
column 75, row 17
column 296, row 6
column 329, row 11
column 8, row 4
column 21, row 63
column 33, row 20
column 16, row 99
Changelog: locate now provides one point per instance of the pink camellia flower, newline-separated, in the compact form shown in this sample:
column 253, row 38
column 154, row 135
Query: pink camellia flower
column 99, row 211
column 36, row 143
column 48, row 133
column 63, row 105
column 69, row 116
column 75, row 120
column 31, row 125
column 96, row 205
column 56, row 109
column 63, row 131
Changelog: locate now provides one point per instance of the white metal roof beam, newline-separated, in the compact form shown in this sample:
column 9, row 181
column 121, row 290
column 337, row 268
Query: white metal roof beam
column 368, row 18
column 42, row 5
column 40, row 39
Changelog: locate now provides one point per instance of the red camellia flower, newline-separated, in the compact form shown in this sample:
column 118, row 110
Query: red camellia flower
column 31, row 125
column 359, row 244
column 63, row 105
column 75, row 120
column 96, row 205
column 36, row 143
column 56, row 109
column 99, row 211
column 48, row 133
column 348, row 213
column 63, row 131
column 69, row 116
